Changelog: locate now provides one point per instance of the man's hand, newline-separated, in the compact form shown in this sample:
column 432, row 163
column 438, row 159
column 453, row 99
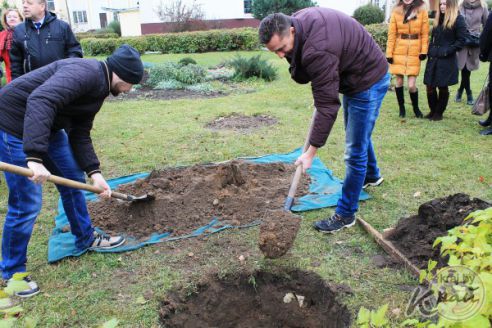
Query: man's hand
column 99, row 181
column 41, row 174
column 306, row 159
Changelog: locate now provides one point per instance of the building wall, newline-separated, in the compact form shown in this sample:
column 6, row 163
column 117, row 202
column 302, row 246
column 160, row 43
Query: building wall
column 130, row 23
column 213, row 9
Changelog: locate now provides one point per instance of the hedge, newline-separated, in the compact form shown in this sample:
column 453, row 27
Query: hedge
column 186, row 42
column 86, row 35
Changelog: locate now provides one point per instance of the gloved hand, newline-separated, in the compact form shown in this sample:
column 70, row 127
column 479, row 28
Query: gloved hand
column 99, row 181
column 422, row 56
column 483, row 57
column 390, row 60
column 41, row 174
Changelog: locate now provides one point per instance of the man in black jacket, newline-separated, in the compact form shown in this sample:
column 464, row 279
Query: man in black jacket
column 486, row 55
column 41, row 39
column 45, row 121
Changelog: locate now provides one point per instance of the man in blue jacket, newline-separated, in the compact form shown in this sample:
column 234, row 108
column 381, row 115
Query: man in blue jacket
column 45, row 121
column 41, row 39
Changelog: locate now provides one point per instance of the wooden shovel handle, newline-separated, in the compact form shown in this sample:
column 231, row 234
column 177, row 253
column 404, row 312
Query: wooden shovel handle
column 390, row 248
column 59, row 180
column 298, row 173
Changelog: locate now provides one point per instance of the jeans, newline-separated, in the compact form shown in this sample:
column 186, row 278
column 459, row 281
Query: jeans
column 25, row 200
column 360, row 112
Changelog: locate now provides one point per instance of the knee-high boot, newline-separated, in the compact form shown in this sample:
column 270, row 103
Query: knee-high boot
column 414, row 96
column 442, row 104
column 401, row 100
column 432, row 100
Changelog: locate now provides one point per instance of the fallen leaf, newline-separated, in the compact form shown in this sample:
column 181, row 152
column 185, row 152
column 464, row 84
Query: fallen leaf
column 141, row 300
column 417, row 194
column 481, row 179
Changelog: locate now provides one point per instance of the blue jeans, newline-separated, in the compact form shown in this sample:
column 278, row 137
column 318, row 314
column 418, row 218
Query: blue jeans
column 25, row 200
column 360, row 112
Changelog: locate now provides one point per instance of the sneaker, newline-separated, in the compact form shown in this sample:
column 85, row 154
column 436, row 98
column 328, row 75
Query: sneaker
column 372, row 182
column 103, row 241
column 334, row 223
column 31, row 290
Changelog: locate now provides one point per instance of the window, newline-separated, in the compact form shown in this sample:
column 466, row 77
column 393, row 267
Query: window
column 248, row 6
column 79, row 17
column 51, row 5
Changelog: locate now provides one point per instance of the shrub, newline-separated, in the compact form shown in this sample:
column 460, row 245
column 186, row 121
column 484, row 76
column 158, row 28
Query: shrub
column 186, row 42
column 379, row 33
column 369, row 14
column 162, row 72
column 169, row 85
column 186, row 75
column 191, row 74
column 186, row 61
column 255, row 66
column 262, row 8
column 115, row 27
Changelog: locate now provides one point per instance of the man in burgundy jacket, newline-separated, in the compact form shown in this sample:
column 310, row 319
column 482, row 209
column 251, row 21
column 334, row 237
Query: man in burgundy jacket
column 337, row 55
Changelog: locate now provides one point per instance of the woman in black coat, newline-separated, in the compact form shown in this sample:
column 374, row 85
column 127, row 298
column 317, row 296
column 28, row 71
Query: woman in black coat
column 486, row 55
column 441, row 71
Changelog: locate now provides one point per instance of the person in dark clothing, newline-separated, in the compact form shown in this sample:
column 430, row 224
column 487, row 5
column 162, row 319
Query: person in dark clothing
column 41, row 39
column 337, row 55
column 441, row 70
column 45, row 121
column 486, row 55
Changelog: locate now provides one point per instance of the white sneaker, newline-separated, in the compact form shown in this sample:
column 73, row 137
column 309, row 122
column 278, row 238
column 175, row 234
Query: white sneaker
column 31, row 290
column 106, row 241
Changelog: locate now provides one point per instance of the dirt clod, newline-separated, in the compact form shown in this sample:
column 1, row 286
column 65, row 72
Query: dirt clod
column 415, row 235
column 257, row 300
column 241, row 122
column 278, row 231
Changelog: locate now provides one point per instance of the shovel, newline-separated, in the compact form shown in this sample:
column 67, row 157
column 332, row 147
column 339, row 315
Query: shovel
column 279, row 227
column 73, row 184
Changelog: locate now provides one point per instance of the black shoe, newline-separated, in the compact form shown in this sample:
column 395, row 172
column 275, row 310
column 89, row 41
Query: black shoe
column 486, row 132
column 334, row 223
column 486, row 122
column 372, row 182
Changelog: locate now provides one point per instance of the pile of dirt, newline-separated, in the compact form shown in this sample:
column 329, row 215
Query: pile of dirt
column 278, row 231
column 241, row 122
column 263, row 299
column 236, row 192
column 414, row 235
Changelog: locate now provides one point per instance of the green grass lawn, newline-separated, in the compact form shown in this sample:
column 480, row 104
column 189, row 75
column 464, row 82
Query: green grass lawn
column 433, row 159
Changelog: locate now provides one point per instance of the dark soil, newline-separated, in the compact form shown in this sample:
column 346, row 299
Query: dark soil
column 278, row 231
column 257, row 300
column 237, row 192
column 242, row 123
column 415, row 235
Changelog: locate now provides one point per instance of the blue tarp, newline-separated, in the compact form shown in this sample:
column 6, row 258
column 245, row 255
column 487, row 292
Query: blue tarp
column 325, row 190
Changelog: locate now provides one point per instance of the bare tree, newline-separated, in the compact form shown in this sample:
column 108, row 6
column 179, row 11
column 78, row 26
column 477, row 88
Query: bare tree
column 182, row 16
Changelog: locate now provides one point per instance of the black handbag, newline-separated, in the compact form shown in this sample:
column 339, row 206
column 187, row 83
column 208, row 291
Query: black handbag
column 472, row 39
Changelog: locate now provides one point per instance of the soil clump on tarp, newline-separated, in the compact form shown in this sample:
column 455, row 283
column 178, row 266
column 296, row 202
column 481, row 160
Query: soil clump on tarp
column 237, row 193
column 415, row 235
column 261, row 299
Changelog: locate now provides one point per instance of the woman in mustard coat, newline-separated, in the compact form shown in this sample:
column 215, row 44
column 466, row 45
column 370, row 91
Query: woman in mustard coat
column 408, row 40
